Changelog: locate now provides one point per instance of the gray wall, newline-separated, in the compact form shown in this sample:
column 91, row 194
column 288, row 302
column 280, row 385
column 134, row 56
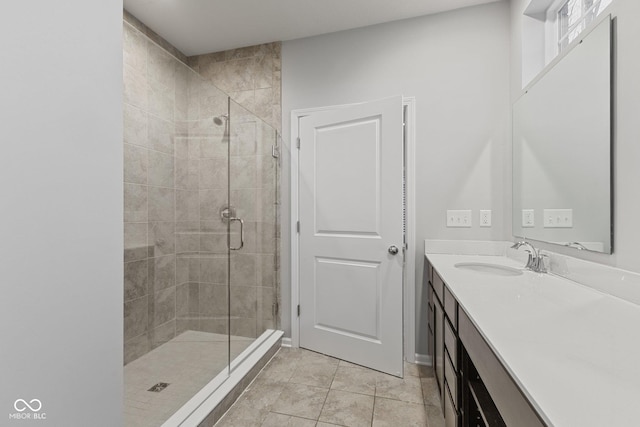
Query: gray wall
column 61, row 227
column 456, row 64
column 626, row 173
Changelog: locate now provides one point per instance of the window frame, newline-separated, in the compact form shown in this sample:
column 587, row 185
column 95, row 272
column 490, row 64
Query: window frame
column 555, row 41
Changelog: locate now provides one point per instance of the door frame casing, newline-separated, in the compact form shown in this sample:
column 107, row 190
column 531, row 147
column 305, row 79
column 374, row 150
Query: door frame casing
column 409, row 288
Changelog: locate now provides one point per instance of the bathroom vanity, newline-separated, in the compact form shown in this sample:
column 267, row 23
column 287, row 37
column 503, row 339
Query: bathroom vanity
column 518, row 348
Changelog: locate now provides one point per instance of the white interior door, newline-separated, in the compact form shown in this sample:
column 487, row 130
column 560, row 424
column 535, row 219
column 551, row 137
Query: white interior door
column 350, row 212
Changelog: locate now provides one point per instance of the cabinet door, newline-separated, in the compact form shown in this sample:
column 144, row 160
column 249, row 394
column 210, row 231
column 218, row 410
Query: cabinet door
column 438, row 335
column 450, row 413
column 450, row 343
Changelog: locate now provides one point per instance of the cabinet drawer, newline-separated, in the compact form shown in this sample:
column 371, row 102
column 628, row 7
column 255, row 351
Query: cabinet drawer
column 451, row 343
column 429, row 272
column 438, row 345
column 450, row 413
column 451, row 378
column 451, row 308
column 438, row 286
column 431, row 343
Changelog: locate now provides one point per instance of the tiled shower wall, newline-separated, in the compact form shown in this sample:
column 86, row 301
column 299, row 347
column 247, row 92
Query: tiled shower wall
column 175, row 183
column 252, row 78
column 250, row 75
column 155, row 107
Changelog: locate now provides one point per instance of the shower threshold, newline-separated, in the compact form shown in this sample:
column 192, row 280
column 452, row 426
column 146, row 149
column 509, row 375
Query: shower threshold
column 186, row 363
column 210, row 403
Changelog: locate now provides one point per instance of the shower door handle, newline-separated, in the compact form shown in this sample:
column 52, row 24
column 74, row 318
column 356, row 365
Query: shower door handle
column 241, row 234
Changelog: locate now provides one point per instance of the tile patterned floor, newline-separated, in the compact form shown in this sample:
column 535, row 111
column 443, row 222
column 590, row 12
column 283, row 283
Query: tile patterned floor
column 187, row 363
column 300, row 388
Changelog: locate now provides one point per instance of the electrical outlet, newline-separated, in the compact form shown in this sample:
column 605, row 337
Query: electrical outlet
column 459, row 218
column 485, row 218
column 558, row 218
column 528, row 218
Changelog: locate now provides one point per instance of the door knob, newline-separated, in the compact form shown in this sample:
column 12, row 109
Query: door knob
column 393, row 249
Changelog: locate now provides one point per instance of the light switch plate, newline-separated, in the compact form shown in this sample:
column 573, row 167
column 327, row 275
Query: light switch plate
column 558, row 218
column 459, row 218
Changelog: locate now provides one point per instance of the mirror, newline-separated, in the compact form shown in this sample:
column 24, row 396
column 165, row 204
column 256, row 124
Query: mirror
column 562, row 150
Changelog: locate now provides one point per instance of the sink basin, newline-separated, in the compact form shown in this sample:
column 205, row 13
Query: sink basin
column 495, row 269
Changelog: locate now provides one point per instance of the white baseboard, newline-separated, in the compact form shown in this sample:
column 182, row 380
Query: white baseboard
column 286, row 342
column 423, row 359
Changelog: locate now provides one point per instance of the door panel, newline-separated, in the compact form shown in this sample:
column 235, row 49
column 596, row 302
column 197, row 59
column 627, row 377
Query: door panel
column 350, row 210
column 341, row 285
column 337, row 211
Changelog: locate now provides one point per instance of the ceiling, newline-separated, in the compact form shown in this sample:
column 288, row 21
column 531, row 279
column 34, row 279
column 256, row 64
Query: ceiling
column 203, row 26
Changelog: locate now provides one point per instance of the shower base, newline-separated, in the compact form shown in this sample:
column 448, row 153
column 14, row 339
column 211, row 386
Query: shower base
column 187, row 363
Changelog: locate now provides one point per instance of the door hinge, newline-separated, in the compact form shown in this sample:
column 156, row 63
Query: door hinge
column 298, row 310
column 298, row 227
column 298, row 143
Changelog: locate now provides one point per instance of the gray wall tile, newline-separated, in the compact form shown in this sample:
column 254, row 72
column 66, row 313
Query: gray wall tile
column 135, row 126
column 135, row 317
column 162, row 272
column 187, row 205
column 164, row 333
column 135, row 203
column 135, row 88
column 161, row 100
column 161, row 204
column 161, row 169
column 135, row 241
column 213, row 300
column 213, row 269
column 164, row 305
column 213, row 173
column 136, row 279
column 136, row 347
column 187, row 300
column 161, row 133
column 244, row 301
column 135, row 164
column 243, row 270
column 188, row 268
column 161, row 238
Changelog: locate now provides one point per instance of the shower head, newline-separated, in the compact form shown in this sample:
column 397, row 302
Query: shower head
column 221, row 119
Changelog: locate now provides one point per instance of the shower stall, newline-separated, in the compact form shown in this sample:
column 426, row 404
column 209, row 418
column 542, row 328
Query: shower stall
column 201, row 278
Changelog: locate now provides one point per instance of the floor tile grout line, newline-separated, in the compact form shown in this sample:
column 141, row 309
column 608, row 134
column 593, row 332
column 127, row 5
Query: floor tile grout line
column 327, row 396
column 373, row 411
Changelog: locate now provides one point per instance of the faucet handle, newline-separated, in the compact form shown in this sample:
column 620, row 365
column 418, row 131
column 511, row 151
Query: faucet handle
column 542, row 266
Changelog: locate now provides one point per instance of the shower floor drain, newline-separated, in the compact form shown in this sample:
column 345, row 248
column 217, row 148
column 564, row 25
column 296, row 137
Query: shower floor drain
column 159, row 387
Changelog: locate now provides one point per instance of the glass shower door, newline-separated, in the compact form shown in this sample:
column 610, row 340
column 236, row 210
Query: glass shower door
column 176, row 284
column 253, row 235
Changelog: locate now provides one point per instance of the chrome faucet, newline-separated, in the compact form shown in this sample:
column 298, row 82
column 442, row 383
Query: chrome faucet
column 536, row 259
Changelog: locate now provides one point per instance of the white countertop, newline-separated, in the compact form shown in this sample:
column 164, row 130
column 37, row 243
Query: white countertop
column 574, row 351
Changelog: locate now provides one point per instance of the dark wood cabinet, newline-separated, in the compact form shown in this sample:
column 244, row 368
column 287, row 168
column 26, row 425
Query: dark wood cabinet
column 460, row 357
column 444, row 342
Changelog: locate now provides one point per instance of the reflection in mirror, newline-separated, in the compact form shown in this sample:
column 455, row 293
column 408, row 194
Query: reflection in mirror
column 562, row 150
